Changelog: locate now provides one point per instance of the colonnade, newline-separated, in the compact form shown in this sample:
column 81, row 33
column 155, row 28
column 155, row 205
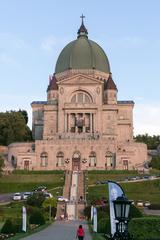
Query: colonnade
column 79, row 122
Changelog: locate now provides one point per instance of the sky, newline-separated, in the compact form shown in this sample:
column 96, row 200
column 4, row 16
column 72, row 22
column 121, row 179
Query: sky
column 33, row 33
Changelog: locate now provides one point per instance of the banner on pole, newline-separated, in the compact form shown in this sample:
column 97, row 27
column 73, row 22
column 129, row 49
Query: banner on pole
column 24, row 219
column 115, row 191
column 92, row 212
column 94, row 219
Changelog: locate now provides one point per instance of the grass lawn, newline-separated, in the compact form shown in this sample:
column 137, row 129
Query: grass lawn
column 94, row 176
column 27, row 182
column 146, row 191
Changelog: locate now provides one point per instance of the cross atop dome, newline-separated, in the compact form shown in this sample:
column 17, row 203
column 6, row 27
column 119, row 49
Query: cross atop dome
column 82, row 17
column 82, row 30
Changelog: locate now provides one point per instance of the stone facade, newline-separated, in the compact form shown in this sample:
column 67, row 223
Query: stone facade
column 82, row 125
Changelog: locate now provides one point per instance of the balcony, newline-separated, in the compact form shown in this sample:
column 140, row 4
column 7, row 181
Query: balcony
column 82, row 136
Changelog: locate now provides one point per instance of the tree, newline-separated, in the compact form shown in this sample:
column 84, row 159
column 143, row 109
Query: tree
column 24, row 114
column 151, row 141
column 50, row 205
column 13, row 127
column 155, row 162
column 50, row 202
column 36, row 200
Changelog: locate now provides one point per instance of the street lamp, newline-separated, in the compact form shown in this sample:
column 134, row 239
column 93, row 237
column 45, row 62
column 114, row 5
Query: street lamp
column 121, row 211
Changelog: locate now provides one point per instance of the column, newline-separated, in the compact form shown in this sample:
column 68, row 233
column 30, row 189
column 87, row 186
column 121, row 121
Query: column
column 91, row 130
column 69, row 122
column 92, row 122
column 84, row 127
column 65, row 122
column 76, row 117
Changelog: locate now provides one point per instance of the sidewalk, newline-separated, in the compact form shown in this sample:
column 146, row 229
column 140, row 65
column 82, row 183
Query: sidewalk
column 60, row 231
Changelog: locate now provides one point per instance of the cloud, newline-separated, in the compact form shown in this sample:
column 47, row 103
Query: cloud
column 147, row 119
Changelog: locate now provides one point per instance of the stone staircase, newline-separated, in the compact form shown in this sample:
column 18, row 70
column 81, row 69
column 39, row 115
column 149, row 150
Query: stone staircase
column 68, row 181
column 74, row 191
column 81, row 203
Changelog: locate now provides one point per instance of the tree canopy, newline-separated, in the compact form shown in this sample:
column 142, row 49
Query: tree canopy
column 151, row 141
column 155, row 162
column 13, row 127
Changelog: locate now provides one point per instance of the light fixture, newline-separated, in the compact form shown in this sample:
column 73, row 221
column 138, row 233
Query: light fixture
column 121, row 211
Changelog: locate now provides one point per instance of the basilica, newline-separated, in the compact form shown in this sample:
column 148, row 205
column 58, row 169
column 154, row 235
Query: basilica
column 81, row 125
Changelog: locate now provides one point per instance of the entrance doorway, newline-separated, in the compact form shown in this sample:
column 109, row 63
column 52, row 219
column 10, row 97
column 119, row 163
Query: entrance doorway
column 26, row 165
column 76, row 161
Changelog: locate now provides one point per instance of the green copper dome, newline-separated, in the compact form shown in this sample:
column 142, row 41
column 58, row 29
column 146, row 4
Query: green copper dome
column 82, row 53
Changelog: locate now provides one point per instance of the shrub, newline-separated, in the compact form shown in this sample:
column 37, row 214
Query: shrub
column 38, row 172
column 103, row 225
column 36, row 199
column 103, row 212
column 144, row 228
column 8, row 227
column 155, row 162
column 135, row 212
column 17, row 224
column 113, row 172
column 37, row 218
column 87, row 212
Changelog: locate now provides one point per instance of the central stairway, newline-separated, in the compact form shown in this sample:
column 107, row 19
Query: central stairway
column 74, row 192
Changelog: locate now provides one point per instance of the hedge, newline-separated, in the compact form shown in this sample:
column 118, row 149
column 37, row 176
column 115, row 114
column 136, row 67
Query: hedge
column 38, row 172
column 145, row 228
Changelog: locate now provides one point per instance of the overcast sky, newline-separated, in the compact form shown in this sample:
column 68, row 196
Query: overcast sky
column 33, row 32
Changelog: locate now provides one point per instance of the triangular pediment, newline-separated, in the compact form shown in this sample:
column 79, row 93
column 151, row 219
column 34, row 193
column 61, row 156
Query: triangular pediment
column 80, row 79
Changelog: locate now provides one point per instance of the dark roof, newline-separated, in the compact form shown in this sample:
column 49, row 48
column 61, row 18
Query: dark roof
column 52, row 83
column 125, row 102
column 39, row 102
column 109, row 84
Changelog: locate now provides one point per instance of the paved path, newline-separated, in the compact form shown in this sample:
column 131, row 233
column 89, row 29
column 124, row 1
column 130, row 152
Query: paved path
column 151, row 212
column 60, row 231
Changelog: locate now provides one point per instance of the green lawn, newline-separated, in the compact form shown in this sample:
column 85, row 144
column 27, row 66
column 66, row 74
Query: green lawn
column 27, row 182
column 146, row 191
column 94, row 176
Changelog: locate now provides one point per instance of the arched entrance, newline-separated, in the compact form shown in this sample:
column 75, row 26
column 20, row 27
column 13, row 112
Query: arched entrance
column 76, row 161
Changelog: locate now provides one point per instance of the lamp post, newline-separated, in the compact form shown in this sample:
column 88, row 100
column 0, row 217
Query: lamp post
column 121, row 210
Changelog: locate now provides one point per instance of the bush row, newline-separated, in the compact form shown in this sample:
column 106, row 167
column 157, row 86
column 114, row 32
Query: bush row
column 145, row 228
column 140, row 228
column 38, row 172
column 113, row 172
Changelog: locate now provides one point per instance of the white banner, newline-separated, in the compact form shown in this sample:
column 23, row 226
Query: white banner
column 94, row 219
column 24, row 219
column 115, row 191
column 92, row 212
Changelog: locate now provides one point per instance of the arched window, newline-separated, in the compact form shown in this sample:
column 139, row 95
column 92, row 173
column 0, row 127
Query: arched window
column 92, row 159
column 110, row 160
column 44, row 159
column 81, row 97
column 60, row 159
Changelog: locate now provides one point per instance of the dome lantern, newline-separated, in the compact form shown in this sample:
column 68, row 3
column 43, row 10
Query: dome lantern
column 82, row 30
